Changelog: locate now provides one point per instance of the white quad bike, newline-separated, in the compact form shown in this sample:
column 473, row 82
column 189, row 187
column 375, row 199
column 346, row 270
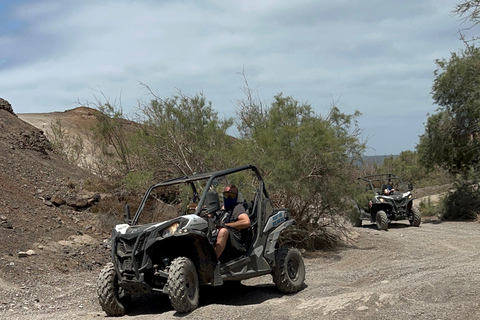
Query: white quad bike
column 382, row 209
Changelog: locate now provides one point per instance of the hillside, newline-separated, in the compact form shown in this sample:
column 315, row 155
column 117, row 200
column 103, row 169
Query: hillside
column 45, row 221
column 75, row 121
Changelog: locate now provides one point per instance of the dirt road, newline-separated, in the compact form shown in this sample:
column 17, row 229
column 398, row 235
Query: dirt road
column 429, row 272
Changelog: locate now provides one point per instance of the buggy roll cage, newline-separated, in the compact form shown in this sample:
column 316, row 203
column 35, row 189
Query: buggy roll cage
column 211, row 176
column 373, row 176
column 381, row 178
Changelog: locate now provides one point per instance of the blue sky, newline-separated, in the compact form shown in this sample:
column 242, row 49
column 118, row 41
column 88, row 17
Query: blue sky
column 375, row 56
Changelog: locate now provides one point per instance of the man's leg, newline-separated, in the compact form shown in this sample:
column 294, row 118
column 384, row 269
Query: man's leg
column 221, row 243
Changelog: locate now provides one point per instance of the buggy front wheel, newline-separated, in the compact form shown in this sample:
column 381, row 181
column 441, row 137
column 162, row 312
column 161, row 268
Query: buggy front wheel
column 357, row 222
column 183, row 287
column 108, row 292
column 416, row 217
column 381, row 220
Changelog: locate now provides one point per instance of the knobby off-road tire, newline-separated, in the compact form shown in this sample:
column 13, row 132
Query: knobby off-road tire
column 358, row 222
column 108, row 292
column 356, row 212
column 289, row 271
column 381, row 220
column 183, row 287
column 416, row 217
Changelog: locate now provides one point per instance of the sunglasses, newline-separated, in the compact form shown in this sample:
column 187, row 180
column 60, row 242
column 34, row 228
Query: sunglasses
column 230, row 195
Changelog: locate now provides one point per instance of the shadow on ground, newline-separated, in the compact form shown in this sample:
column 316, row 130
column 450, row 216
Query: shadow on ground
column 391, row 226
column 230, row 294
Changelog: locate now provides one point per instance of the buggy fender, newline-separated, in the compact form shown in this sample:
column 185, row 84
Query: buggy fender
column 273, row 238
column 385, row 206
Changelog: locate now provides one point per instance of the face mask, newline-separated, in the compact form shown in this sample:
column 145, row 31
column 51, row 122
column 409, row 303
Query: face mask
column 229, row 202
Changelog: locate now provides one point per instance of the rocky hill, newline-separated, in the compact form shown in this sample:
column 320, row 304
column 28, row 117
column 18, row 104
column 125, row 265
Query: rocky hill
column 45, row 219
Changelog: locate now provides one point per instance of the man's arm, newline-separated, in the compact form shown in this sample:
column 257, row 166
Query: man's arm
column 243, row 222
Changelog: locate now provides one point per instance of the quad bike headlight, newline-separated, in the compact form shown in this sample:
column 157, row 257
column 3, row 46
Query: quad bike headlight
column 170, row 230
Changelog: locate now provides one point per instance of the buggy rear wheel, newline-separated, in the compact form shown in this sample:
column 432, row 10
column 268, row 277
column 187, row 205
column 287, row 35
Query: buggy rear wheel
column 381, row 220
column 289, row 271
column 357, row 213
column 108, row 292
column 183, row 287
column 416, row 217
column 358, row 222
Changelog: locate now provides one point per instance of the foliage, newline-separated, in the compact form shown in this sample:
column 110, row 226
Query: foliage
column 183, row 135
column 363, row 198
column 430, row 209
column 306, row 158
column 111, row 138
column 138, row 180
column 451, row 138
column 96, row 184
column 469, row 11
column 407, row 166
column 68, row 146
column 463, row 203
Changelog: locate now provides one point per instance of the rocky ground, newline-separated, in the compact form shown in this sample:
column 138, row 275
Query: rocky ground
column 45, row 224
column 429, row 272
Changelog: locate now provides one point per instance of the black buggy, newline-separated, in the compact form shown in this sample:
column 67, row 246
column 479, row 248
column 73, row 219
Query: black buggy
column 175, row 255
column 374, row 205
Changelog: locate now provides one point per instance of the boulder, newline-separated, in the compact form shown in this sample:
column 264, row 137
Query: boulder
column 5, row 105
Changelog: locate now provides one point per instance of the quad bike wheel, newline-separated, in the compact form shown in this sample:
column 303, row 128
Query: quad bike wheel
column 358, row 221
column 108, row 292
column 416, row 218
column 183, row 287
column 289, row 271
column 381, row 220
column 355, row 215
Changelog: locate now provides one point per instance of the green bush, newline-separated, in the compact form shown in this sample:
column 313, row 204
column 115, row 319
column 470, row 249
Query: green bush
column 407, row 166
column 306, row 158
column 138, row 181
column 430, row 209
column 462, row 204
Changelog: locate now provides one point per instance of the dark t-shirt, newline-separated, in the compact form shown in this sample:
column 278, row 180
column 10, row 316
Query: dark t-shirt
column 237, row 238
column 233, row 217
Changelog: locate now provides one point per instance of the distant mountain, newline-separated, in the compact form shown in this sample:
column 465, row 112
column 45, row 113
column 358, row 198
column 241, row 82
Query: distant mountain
column 377, row 159
column 369, row 160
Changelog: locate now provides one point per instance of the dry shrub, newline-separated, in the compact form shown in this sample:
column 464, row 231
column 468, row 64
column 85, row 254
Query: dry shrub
column 110, row 210
column 97, row 184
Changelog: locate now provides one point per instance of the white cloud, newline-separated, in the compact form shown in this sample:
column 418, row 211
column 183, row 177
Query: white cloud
column 375, row 56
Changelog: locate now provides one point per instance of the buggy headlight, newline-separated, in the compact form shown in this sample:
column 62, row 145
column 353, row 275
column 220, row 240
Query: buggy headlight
column 381, row 199
column 170, row 230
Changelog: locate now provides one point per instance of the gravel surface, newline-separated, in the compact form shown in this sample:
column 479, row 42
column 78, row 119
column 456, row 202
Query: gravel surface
column 429, row 272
